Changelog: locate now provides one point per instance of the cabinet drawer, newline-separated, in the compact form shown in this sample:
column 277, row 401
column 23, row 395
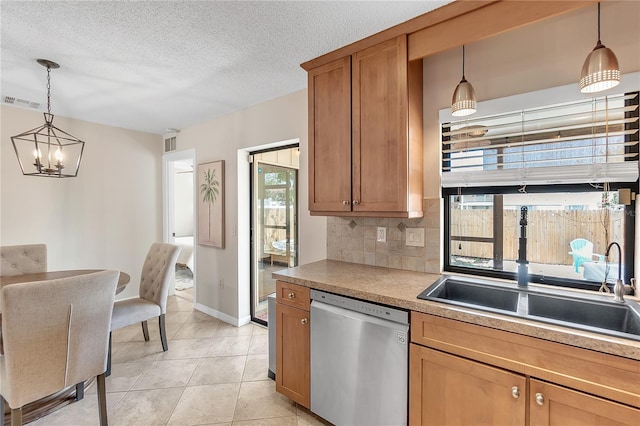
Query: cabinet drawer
column 293, row 295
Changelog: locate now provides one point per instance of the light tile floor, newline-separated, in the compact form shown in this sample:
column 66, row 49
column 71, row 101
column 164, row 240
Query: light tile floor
column 213, row 373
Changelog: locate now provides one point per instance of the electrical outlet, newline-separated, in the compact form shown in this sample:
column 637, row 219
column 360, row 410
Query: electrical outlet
column 414, row 237
column 382, row 234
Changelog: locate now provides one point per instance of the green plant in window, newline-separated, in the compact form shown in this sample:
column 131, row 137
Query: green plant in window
column 209, row 191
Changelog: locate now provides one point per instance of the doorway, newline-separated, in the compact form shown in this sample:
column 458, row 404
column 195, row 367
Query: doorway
column 179, row 219
column 274, row 222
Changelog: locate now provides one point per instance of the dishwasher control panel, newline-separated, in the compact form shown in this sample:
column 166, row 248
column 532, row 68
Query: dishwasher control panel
column 361, row 306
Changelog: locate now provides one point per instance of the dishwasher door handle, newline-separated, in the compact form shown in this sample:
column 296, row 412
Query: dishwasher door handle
column 337, row 310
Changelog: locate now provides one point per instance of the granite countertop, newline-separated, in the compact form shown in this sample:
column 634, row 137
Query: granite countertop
column 398, row 288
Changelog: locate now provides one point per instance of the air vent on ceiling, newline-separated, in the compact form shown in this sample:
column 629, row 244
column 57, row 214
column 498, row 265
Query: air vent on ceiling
column 21, row 102
column 169, row 144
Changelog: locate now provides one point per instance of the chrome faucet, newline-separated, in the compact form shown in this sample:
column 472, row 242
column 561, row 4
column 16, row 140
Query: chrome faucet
column 523, row 270
column 618, row 288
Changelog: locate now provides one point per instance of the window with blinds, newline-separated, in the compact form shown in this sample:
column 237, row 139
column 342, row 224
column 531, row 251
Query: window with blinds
column 587, row 141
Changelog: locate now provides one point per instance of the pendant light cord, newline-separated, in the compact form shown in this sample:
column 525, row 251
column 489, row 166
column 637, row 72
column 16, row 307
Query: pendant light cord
column 49, row 89
column 599, row 23
column 463, row 59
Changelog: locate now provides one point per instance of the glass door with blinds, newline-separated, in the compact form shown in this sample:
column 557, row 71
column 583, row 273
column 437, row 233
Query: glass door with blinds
column 573, row 165
column 274, row 226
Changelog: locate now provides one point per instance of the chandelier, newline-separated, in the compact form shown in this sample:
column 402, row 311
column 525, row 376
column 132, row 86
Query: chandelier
column 46, row 150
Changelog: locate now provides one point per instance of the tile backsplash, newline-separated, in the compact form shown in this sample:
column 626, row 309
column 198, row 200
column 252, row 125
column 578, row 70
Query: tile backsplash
column 354, row 240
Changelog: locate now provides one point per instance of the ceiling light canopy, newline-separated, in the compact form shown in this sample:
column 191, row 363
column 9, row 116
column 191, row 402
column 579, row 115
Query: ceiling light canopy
column 600, row 70
column 46, row 150
column 464, row 97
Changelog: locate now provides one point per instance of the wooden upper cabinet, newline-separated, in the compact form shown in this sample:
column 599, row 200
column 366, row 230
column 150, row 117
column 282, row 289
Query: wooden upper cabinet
column 365, row 134
column 382, row 150
column 330, row 137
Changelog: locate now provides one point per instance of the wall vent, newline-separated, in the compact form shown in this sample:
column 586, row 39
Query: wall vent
column 21, row 102
column 169, row 144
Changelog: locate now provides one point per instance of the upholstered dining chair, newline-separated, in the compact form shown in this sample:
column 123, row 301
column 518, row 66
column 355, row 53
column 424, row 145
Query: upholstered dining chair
column 56, row 334
column 23, row 259
column 155, row 280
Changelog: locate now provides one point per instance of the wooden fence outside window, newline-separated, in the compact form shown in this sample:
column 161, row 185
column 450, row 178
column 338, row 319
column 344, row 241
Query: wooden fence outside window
column 549, row 233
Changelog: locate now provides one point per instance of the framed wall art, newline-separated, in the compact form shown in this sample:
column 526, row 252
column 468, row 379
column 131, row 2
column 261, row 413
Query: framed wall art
column 211, row 204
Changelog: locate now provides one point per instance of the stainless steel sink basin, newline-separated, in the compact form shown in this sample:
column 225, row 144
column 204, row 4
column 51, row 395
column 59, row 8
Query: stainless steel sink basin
column 471, row 294
column 592, row 312
column 618, row 317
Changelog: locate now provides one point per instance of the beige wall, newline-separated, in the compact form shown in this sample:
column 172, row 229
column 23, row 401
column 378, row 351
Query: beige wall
column 222, row 274
column 542, row 55
column 106, row 217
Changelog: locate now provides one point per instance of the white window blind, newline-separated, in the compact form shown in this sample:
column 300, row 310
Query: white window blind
column 587, row 141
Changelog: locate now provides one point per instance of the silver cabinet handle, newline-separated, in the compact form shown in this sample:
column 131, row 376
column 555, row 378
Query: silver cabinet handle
column 515, row 392
column 539, row 399
column 345, row 202
column 304, row 321
column 356, row 202
column 292, row 295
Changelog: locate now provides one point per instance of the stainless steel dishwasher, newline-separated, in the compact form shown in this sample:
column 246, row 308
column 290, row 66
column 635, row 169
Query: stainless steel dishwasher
column 359, row 361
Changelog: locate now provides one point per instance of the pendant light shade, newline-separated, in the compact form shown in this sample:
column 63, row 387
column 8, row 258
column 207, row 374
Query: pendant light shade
column 46, row 150
column 464, row 97
column 600, row 70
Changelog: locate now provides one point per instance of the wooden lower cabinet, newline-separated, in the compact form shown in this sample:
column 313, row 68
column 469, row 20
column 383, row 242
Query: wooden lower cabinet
column 556, row 405
column 292, row 353
column 466, row 374
column 446, row 389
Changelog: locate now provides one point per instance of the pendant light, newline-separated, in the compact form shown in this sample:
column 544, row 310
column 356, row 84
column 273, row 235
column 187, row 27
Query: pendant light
column 600, row 70
column 464, row 97
column 46, row 150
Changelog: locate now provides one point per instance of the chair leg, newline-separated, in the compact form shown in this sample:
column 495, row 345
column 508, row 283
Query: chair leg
column 145, row 331
column 163, row 333
column 16, row 416
column 79, row 391
column 102, row 400
column 108, row 372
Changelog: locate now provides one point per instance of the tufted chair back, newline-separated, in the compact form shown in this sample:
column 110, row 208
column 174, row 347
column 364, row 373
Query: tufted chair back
column 156, row 273
column 23, row 259
column 55, row 334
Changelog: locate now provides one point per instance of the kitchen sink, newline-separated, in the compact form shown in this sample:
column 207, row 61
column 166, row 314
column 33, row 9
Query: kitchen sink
column 471, row 294
column 620, row 317
column 592, row 312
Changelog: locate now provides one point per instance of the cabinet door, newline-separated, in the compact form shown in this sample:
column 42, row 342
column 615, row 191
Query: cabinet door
column 292, row 353
column 449, row 390
column 330, row 137
column 555, row 405
column 380, row 127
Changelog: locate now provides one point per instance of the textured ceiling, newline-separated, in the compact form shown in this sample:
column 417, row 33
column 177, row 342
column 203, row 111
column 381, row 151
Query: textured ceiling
column 153, row 65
